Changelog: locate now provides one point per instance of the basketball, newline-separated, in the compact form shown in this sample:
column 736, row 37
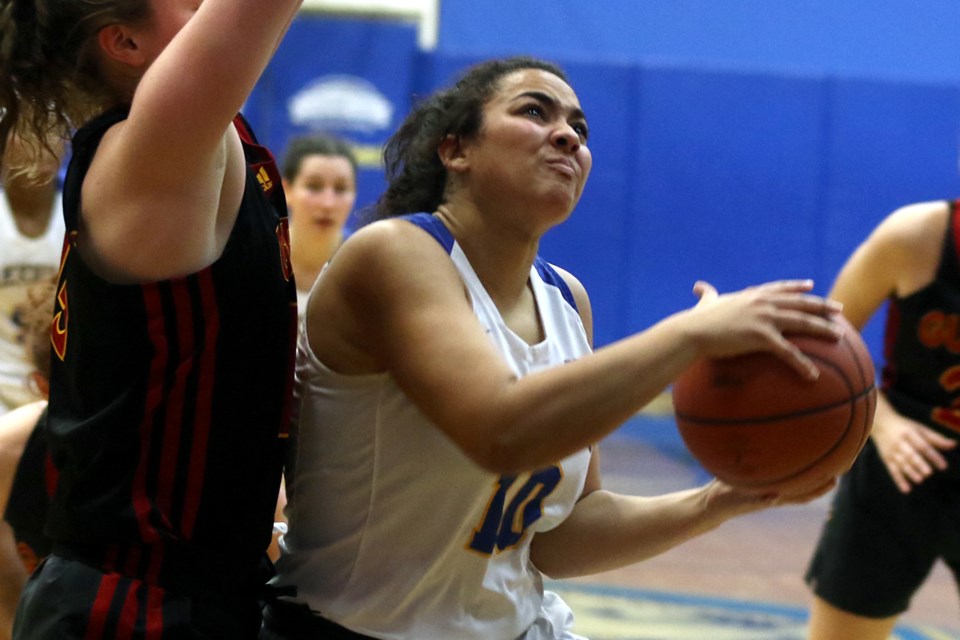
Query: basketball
column 757, row 424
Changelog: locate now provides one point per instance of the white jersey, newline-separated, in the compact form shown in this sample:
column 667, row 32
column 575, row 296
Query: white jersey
column 393, row 531
column 24, row 262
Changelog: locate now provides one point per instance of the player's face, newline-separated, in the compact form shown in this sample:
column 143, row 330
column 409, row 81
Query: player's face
column 533, row 143
column 322, row 194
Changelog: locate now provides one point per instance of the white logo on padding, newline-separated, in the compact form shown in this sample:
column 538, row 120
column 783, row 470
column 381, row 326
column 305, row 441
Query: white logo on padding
column 340, row 102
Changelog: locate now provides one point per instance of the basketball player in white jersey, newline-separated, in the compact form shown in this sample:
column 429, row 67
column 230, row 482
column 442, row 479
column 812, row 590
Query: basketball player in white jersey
column 450, row 401
column 31, row 239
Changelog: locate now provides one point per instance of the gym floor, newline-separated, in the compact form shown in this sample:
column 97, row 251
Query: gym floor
column 741, row 581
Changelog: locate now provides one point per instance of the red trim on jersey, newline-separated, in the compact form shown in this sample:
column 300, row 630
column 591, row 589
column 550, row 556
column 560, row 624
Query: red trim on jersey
column 156, row 329
column 128, row 614
column 202, row 418
column 167, row 473
column 955, row 225
column 154, row 624
column 51, row 474
column 888, row 373
column 243, row 130
column 101, row 607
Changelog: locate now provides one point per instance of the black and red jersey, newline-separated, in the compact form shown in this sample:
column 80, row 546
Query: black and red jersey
column 29, row 500
column 169, row 401
column 921, row 374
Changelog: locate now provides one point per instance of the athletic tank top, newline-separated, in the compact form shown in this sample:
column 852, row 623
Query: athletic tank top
column 169, row 401
column 393, row 531
column 921, row 374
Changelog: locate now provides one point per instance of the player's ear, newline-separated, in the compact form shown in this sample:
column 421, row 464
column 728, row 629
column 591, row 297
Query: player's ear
column 452, row 153
column 118, row 42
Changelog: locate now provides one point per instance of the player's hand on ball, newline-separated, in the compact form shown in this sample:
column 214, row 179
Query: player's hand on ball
column 734, row 502
column 756, row 319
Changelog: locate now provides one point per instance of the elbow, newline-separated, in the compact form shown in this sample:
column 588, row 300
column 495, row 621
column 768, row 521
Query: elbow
column 497, row 451
column 499, row 457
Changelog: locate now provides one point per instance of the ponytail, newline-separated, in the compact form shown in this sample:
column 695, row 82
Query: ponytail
column 50, row 81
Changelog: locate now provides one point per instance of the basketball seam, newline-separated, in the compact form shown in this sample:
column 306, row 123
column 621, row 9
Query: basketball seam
column 782, row 416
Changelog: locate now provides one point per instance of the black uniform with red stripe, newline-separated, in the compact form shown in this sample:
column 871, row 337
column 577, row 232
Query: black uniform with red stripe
column 29, row 501
column 169, row 407
column 879, row 544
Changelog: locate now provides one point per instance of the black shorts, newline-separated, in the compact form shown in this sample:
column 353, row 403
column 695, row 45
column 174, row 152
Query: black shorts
column 291, row 621
column 66, row 599
column 879, row 545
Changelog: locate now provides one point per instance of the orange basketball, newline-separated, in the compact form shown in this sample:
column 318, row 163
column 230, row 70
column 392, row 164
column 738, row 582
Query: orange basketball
column 755, row 423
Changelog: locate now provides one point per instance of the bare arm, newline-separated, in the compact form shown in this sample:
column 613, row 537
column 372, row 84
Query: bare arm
column 900, row 257
column 15, row 429
column 163, row 190
column 606, row 530
column 392, row 301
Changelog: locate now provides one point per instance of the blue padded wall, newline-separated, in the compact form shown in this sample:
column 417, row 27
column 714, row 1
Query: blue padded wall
column 731, row 174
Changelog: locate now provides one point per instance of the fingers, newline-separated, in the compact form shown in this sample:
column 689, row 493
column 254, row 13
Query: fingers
column 807, row 323
column 706, row 291
column 903, row 485
column 914, row 467
column 937, row 440
column 914, row 459
column 807, row 303
column 790, row 286
column 794, row 357
column 758, row 318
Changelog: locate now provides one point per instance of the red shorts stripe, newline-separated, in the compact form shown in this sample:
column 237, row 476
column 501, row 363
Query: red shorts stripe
column 101, row 607
column 204, row 409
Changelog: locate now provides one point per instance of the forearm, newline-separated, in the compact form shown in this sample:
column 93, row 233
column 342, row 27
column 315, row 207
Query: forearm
column 543, row 417
column 607, row 531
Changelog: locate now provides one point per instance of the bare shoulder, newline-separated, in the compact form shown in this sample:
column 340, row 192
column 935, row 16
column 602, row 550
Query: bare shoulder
column 577, row 289
column 904, row 250
column 16, row 425
column 392, row 248
column 384, row 275
column 915, row 227
column 582, row 299
column 15, row 429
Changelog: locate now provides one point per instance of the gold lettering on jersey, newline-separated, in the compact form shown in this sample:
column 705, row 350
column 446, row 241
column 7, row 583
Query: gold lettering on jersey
column 58, row 326
column 947, row 417
column 264, row 179
column 69, row 240
column 939, row 330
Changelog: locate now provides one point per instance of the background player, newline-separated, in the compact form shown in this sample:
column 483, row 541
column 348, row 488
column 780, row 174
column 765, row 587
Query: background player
column 31, row 238
column 897, row 511
column 320, row 182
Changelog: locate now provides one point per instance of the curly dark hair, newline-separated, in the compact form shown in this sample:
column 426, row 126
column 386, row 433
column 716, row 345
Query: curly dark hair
column 34, row 315
column 319, row 144
column 50, row 77
column 416, row 179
